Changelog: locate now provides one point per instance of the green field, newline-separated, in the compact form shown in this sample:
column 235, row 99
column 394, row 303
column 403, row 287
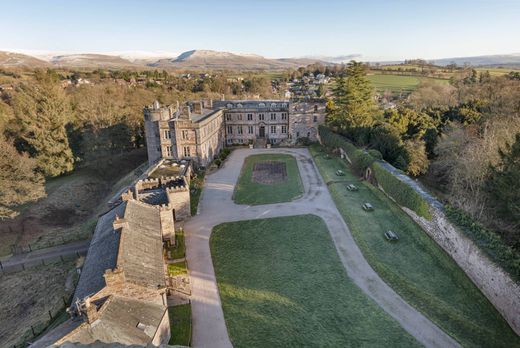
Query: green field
column 282, row 284
column 180, row 325
column 397, row 84
column 249, row 192
column 415, row 266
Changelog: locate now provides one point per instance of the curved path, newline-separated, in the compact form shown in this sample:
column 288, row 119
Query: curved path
column 216, row 206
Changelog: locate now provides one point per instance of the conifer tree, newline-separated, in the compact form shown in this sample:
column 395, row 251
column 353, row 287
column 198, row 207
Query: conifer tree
column 42, row 110
column 503, row 184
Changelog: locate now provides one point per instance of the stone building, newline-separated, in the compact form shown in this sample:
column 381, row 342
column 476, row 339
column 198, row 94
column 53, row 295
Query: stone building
column 198, row 130
column 121, row 294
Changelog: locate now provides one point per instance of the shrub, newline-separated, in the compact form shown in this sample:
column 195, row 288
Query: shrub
column 487, row 240
column 403, row 194
column 361, row 159
column 376, row 154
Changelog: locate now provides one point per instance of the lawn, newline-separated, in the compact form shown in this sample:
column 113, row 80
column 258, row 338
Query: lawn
column 180, row 325
column 252, row 193
column 282, row 284
column 178, row 251
column 196, row 186
column 415, row 266
column 177, row 268
column 394, row 83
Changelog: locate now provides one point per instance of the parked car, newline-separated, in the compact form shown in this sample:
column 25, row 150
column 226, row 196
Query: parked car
column 339, row 172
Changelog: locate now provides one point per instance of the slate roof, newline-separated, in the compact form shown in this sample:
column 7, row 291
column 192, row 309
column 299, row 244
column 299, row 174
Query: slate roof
column 118, row 323
column 102, row 254
column 141, row 247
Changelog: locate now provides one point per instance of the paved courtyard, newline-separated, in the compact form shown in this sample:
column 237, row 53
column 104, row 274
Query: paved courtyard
column 216, row 206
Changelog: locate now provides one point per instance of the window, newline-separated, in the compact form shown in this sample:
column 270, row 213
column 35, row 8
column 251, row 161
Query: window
column 261, row 117
column 315, row 118
column 250, row 117
column 273, row 117
column 187, row 151
column 273, row 129
column 168, row 151
column 230, row 130
column 158, row 149
column 239, row 129
column 297, row 134
column 228, row 117
column 167, row 134
column 284, row 129
column 250, row 129
column 184, row 134
column 315, row 108
column 284, row 116
column 229, row 141
column 239, row 117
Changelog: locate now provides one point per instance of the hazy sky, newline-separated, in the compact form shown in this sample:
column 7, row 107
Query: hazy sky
column 273, row 28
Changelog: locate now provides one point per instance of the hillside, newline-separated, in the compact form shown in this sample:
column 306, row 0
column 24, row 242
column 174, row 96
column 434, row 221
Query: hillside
column 10, row 60
column 90, row 61
column 206, row 59
column 489, row 60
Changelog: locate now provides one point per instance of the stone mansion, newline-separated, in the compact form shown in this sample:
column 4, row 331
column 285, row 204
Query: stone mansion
column 197, row 130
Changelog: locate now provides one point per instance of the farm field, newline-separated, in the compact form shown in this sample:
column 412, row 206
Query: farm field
column 268, row 178
column 282, row 284
column 415, row 266
column 397, row 84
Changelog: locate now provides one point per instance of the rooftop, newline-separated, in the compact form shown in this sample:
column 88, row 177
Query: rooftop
column 122, row 320
column 169, row 167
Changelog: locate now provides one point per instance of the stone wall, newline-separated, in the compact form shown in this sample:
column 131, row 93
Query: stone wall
column 179, row 199
column 167, row 223
column 163, row 333
column 496, row 284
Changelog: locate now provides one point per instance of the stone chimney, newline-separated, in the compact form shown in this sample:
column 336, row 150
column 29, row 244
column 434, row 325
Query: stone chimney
column 127, row 196
column 156, row 105
column 197, row 107
column 119, row 223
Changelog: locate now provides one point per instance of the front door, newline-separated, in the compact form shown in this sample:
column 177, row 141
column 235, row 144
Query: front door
column 261, row 132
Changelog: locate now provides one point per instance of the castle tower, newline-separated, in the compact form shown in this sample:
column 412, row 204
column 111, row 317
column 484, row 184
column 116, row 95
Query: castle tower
column 157, row 131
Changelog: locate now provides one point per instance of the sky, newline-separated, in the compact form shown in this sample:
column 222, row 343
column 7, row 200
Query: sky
column 377, row 29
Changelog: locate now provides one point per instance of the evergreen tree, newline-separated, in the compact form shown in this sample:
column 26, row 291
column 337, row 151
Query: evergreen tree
column 18, row 179
column 42, row 110
column 353, row 99
column 503, row 183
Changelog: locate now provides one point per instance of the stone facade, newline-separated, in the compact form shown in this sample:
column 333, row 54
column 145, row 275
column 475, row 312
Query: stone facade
column 198, row 130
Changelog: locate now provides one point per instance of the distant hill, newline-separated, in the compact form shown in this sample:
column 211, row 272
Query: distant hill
column 206, row 59
column 10, row 60
column 489, row 60
column 90, row 61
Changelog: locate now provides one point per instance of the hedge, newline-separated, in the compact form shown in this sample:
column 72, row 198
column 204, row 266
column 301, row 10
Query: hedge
column 403, row 194
column 487, row 240
column 361, row 159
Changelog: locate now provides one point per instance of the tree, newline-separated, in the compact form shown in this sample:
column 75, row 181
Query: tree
column 503, row 183
column 353, row 99
column 417, row 159
column 19, row 181
column 42, row 111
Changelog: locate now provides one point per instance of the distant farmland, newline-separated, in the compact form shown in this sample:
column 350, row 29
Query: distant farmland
column 397, row 84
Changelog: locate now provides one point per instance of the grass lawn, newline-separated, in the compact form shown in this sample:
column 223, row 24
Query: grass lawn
column 196, row 186
column 178, row 251
column 399, row 83
column 177, row 268
column 415, row 266
column 180, row 325
column 282, row 284
column 249, row 192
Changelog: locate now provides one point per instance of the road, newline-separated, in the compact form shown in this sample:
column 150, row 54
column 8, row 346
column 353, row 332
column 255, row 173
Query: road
column 33, row 258
column 216, row 206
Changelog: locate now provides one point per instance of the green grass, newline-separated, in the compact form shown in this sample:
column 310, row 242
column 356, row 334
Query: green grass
column 394, row 83
column 177, row 268
column 282, row 284
column 180, row 325
column 196, row 186
column 416, row 267
column 178, row 251
column 248, row 192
